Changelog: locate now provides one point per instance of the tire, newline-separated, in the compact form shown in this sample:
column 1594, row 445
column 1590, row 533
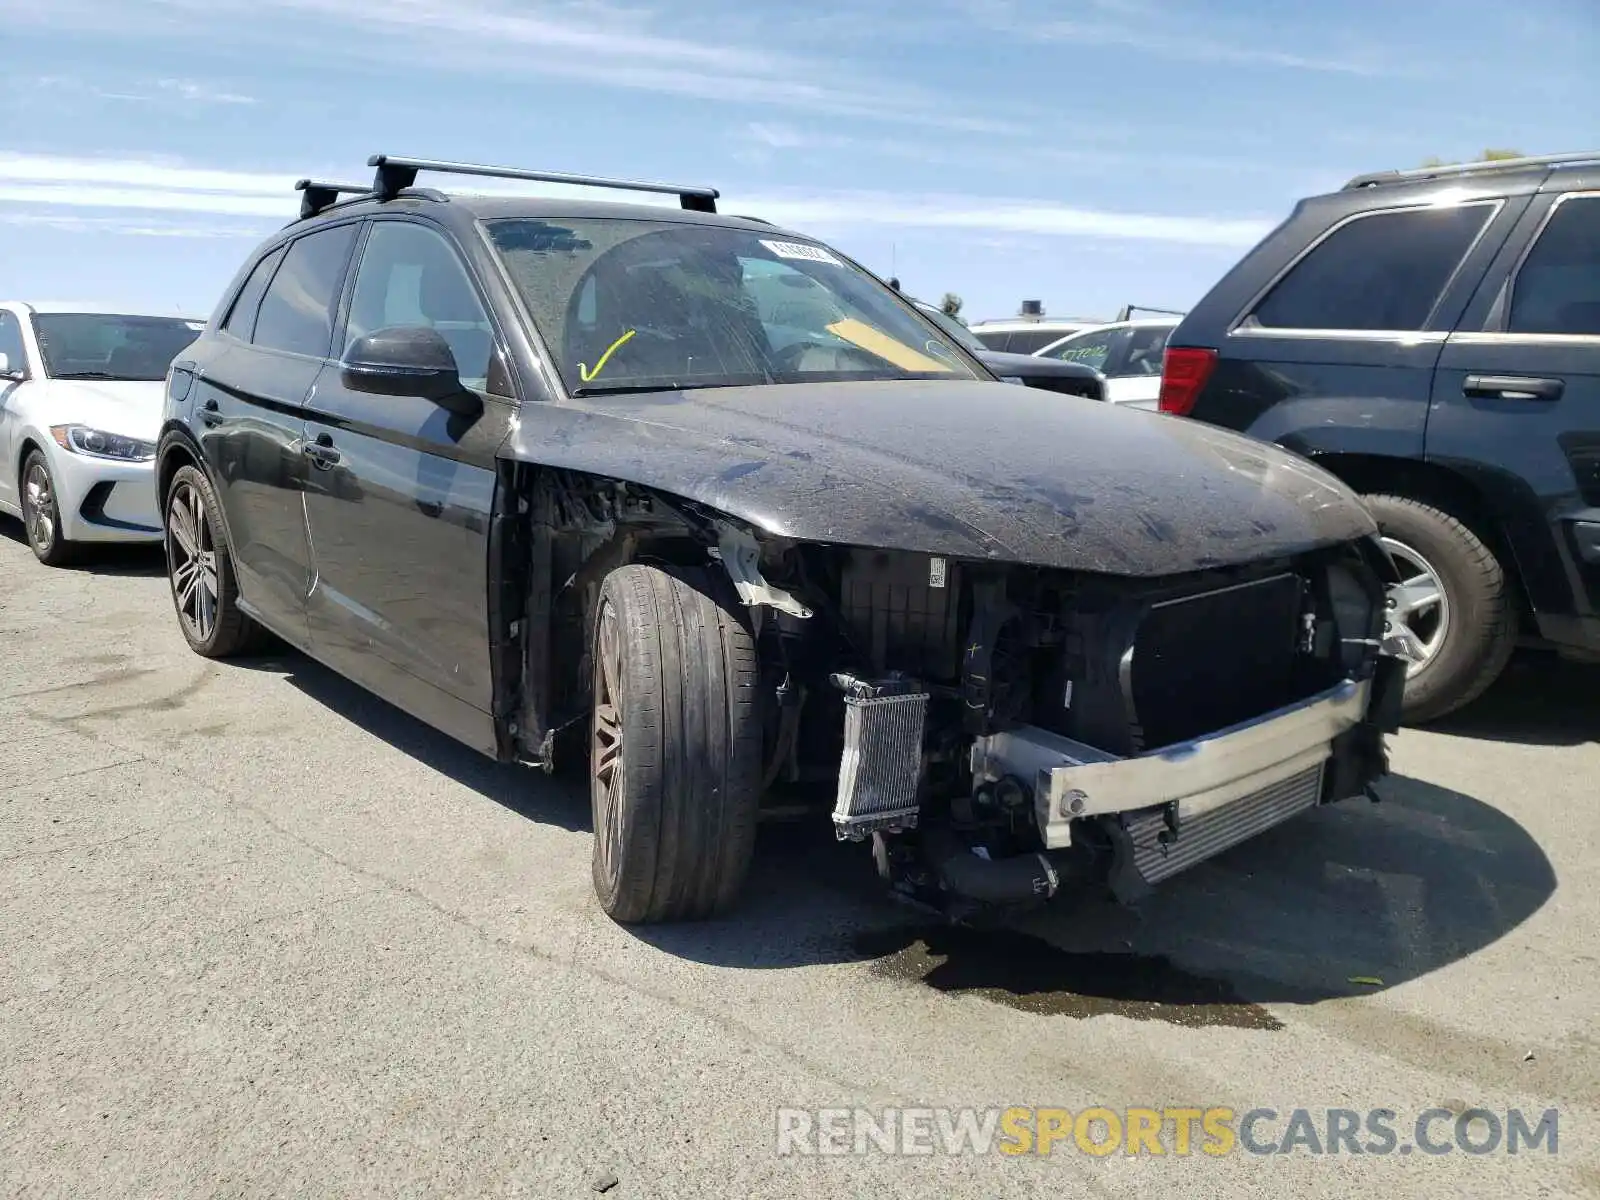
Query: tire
column 676, row 743
column 1478, row 609
column 205, row 597
column 41, row 512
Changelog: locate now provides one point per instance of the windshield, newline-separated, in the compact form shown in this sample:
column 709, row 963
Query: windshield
column 636, row 305
column 108, row 346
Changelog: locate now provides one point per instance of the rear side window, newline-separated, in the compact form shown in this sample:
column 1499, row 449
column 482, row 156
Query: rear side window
column 1558, row 288
column 1384, row 271
column 241, row 322
column 298, row 309
column 1026, row 341
column 991, row 339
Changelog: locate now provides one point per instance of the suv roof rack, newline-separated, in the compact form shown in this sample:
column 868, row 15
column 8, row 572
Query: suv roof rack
column 319, row 195
column 1126, row 314
column 395, row 174
column 1452, row 170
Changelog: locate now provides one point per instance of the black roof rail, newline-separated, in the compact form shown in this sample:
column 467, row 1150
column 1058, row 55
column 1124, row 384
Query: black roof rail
column 320, row 196
column 1129, row 309
column 396, row 174
column 1453, row 170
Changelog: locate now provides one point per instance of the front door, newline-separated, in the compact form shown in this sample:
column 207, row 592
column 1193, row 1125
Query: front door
column 401, row 494
column 1517, row 401
column 250, row 391
column 16, row 354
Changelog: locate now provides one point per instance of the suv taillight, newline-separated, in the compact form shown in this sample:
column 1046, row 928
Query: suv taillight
column 1184, row 371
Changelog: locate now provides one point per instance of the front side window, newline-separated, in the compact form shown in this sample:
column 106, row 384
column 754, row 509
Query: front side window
column 11, row 346
column 1384, row 271
column 1091, row 348
column 111, row 346
column 1144, row 351
column 634, row 305
column 1558, row 288
column 298, row 309
column 410, row 276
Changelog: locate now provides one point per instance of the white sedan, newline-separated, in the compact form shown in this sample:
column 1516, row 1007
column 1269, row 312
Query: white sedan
column 1128, row 353
column 80, row 409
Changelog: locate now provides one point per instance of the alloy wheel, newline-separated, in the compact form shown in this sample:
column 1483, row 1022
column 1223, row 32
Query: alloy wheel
column 41, row 507
column 1419, row 601
column 605, row 755
column 192, row 560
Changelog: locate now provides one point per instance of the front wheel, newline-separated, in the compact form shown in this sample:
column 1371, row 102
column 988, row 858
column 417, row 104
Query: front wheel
column 1455, row 596
column 41, row 513
column 200, row 569
column 675, row 757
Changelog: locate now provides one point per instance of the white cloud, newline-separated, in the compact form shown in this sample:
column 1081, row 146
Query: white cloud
column 592, row 43
column 200, row 93
column 74, row 184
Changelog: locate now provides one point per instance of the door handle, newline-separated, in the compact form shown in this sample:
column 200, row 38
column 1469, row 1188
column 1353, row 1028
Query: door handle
column 209, row 415
column 1513, row 387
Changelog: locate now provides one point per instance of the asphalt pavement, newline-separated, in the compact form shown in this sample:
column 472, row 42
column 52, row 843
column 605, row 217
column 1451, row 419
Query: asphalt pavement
column 263, row 935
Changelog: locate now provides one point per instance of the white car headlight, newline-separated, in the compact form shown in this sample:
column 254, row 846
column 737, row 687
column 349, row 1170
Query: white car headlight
column 97, row 443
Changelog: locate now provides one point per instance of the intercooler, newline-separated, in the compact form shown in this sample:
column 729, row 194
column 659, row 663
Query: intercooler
column 882, row 766
column 1159, row 853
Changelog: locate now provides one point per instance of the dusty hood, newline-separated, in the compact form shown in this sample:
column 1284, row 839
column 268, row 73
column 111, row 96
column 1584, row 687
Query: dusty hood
column 129, row 407
column 967, row 469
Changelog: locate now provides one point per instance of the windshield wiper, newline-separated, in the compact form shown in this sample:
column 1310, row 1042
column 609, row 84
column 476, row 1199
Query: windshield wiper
column 627, row 389
column 94, row 375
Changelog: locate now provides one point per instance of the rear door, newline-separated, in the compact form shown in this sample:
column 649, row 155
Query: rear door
column 1337, row 352
column 251, row 387
column 1516, row 403
column 401, row 494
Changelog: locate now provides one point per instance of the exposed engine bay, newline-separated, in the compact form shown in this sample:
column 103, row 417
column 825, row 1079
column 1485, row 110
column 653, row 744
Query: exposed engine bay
column 998, row 731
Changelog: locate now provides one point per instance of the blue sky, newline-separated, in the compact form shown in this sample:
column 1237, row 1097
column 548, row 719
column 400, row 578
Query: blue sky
column 1088, row 153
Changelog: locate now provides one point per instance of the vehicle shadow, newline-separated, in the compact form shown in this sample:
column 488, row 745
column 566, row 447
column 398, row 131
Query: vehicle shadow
column 561, row 800
column 1541, row 700
column 1376, row 893
column 141, row 561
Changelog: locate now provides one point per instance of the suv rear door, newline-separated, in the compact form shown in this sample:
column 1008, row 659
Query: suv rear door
column 1516, row 403
column 252, row 380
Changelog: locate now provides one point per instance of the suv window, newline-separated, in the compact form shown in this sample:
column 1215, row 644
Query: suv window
column 1026, row 341
column 1381, row 271
column 241, row 320
column 409, row 275
column 11, row 343
column 297, row 311
column 1558, row 288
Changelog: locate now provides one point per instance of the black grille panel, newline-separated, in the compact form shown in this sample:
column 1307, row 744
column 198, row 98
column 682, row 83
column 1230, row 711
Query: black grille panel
column 1202, row 663
column 899, row 617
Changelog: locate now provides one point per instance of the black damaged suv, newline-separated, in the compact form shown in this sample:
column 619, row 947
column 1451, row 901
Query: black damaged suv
column 1432, row 338
column 719, row 502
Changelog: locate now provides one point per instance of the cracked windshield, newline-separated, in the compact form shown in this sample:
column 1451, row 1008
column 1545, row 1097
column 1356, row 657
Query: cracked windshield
column 629, row 305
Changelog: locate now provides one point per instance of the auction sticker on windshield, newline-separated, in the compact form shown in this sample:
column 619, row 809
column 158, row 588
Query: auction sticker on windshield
column 801, row 251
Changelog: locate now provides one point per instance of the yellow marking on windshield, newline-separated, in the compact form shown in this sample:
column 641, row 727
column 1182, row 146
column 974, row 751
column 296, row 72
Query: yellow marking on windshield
column 589, row 376
column 875, row 341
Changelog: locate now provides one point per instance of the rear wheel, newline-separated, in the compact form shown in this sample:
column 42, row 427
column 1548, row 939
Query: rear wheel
column 675, row 758
column 41, row 513
column 1455, row 596
column 200, row 570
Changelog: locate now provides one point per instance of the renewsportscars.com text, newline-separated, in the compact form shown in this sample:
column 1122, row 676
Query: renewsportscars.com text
column 1177, row 1131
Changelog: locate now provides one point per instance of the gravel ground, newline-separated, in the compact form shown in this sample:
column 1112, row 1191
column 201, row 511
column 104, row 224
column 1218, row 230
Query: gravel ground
column 264, row 935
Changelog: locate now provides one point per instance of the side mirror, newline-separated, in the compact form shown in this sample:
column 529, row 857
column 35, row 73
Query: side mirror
column 408, row 360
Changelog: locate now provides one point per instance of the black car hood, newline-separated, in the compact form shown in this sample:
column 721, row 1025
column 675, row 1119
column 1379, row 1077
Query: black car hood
column 977, row 470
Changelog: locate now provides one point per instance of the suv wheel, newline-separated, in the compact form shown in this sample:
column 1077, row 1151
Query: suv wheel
column 675, row 759
column 41, row 513
column 1454, row 596
column 200, row 569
